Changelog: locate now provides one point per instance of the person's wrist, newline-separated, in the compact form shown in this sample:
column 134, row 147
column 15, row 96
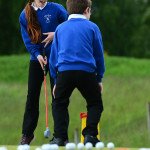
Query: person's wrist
column 38, row 56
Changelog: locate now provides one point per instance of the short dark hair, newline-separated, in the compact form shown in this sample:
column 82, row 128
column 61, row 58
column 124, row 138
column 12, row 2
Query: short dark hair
column 78, row 6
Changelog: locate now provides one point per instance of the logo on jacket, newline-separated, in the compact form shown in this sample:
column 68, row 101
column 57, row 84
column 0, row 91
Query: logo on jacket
column 47, row 18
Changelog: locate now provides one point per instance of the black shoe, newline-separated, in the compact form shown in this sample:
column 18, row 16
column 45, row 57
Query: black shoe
column 91, row 139
column 26, row 139
column 58, row 141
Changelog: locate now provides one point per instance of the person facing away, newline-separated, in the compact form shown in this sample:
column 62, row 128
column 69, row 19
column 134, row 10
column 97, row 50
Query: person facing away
column 77, row 61
column 38, row 22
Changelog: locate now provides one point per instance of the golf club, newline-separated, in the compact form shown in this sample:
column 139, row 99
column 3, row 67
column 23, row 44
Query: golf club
column 47, row 131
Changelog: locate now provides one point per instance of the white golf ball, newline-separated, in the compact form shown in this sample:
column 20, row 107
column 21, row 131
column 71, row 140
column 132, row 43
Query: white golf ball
column 26, row 147
column 54, row 147
column 38, row 148
column 3, row 148
column 23, row 147
column 88, row 146
column 20, row 147
column 110, row 145
column 99, row 145
column 70, row 146
column 80, row 146
column 46, row 147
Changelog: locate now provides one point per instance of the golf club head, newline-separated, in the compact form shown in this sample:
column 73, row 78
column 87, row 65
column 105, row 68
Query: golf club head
column 47, row 133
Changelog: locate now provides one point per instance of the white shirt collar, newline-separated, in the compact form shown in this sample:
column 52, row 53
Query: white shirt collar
column 76, row 16
column 36, row 8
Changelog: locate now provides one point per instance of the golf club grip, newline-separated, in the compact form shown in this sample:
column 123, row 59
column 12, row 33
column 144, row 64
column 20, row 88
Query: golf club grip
column 44, row 52
column 44, row 66
column 44, row 69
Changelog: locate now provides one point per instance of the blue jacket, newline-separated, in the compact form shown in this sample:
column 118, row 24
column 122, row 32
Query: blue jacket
column 77, row 45
column 49, row 18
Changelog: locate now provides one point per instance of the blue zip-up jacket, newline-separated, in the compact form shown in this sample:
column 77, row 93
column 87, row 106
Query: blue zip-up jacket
column 49, row 18
column 77, row 45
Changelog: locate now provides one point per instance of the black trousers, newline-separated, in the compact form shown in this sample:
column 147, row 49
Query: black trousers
column 87, row 84
column 35, row 80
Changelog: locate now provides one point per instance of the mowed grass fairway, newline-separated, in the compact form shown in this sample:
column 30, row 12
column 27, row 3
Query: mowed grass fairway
column 125, row 97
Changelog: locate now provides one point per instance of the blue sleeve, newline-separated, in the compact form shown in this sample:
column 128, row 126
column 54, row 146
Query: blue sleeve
column 54, row 58
column 98, row 54
column 62, row 14
column 33, row 49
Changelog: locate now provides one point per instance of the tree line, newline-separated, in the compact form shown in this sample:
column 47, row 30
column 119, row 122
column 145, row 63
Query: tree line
column 125, row 26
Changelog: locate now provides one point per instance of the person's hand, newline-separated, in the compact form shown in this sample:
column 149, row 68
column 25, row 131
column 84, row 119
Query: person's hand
column 54, row 88
column 101, row 87
column 49, row 38
column 42, row 61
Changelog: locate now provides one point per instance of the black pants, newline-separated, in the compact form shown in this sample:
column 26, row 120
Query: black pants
column 35, row 80
column 86, row 83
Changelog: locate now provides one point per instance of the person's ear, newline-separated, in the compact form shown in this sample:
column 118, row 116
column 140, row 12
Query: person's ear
column 86, row 10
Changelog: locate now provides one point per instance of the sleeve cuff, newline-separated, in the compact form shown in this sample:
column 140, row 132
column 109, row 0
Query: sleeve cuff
column 36, row 54
column 98, row 78
column 54, row 81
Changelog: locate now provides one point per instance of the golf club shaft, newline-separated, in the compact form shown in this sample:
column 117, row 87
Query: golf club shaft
column 46, row 101
column 45, row 91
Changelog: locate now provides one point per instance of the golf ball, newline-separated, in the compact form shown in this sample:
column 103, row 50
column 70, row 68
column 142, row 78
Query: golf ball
column 23, row 147
column 88, row 146
column 3, row 148
column 38, row 148
column 54, row 147
column 80, row 146
column 26, row 147
column 20, row 147
column 46, row 147
column 110, row 145
column 99, row 145
column 70, row 146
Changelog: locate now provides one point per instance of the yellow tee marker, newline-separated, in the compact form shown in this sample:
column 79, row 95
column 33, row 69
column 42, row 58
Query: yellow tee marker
column 83, row 117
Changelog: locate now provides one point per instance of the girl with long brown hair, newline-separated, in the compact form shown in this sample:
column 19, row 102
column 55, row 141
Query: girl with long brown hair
column 38, row 22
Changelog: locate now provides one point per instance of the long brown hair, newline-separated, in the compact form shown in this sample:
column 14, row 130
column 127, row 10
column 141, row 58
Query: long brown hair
column 78, row 6
column 33, row 27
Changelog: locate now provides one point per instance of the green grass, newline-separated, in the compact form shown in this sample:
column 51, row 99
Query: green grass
column 126, row 94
